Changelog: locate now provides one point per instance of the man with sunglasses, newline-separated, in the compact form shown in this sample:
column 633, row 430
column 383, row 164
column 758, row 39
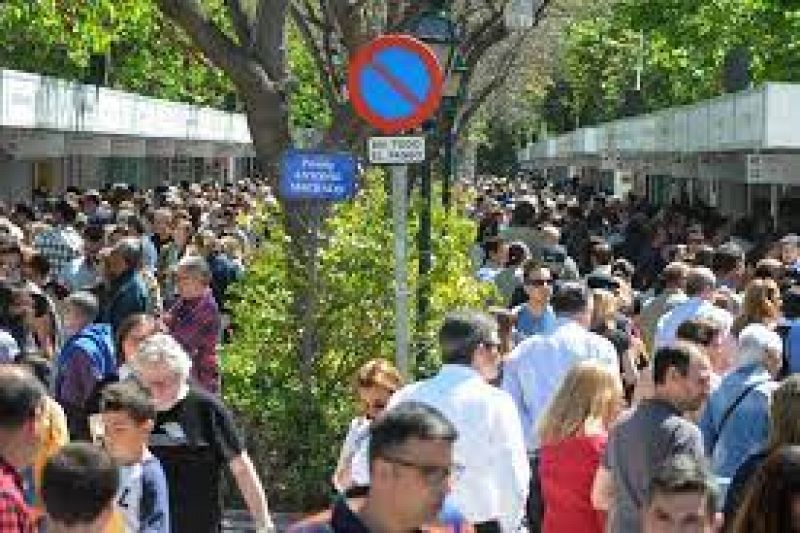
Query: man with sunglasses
column 536, row 316
column 412, row 471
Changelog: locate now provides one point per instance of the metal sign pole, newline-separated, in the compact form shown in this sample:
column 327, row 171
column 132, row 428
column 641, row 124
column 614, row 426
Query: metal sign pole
column 400, row 212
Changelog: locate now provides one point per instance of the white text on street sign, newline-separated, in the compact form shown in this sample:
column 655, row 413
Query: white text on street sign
column 396, row 150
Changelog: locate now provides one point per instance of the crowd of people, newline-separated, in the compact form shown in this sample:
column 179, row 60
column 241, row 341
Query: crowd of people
column 637, row 373
column 112, row 309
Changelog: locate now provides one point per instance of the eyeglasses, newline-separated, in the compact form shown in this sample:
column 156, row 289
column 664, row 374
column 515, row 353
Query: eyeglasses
column 538, row 282
column 378, row 405
column 433, row 474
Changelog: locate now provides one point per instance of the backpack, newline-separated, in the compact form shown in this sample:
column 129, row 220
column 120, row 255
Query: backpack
column 97, row 341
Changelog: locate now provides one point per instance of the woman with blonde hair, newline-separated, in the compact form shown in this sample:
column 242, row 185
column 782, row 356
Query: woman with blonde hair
column 762, row 305
column 605, row 308
column 573, row 433
column 374, row 384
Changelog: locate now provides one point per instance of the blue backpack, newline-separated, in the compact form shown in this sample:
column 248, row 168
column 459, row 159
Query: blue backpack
column 97, row 341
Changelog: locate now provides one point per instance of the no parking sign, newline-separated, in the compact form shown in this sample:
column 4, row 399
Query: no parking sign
column 395, row 83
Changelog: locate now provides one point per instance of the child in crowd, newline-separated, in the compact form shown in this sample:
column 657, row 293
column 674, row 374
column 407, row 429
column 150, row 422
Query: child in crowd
column 78, row 486
column 128, row 415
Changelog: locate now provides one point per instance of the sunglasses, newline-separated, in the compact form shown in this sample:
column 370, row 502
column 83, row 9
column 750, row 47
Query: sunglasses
column 538, row 282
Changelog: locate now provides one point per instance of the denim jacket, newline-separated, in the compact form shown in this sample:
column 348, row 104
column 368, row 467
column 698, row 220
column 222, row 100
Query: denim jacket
column 745, row 430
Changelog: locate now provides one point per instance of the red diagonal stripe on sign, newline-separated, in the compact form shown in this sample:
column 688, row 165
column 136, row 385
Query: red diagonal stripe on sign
column 397, row 84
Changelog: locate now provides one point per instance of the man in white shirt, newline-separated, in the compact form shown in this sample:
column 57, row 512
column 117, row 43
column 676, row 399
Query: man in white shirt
column 700, row 287
column 534, row 370
column 492, row 490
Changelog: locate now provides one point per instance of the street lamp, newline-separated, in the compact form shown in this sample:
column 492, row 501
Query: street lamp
column 453, row 95
column 441, row 34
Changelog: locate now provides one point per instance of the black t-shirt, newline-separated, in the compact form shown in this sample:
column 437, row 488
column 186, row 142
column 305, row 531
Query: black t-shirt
column 194, row 440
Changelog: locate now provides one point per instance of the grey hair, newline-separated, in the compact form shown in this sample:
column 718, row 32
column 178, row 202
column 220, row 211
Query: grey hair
column 754, row 341
column 85, row 303
column 196, row 266
column 163, row 348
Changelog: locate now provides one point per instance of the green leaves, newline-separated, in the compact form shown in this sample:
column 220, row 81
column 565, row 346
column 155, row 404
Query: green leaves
column 296, row 422
column 685, row 45
column 148, row 54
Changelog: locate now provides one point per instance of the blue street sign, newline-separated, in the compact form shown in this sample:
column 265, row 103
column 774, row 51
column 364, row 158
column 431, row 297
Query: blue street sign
column 308, row 175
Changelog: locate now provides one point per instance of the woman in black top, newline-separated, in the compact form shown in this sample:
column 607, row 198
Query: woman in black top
column 605, row 323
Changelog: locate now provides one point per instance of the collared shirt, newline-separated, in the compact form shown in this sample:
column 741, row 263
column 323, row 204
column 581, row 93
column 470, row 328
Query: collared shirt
column 529, row 324
column 196, row 325
column 60, row 246
column 638, row 443
column 15, row 515
column 694, row 307
column 534, row 370
column 490, row 446
column 745, row 431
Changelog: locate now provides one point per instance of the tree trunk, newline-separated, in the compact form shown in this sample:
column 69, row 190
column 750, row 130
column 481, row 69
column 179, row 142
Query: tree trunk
column 303, row 220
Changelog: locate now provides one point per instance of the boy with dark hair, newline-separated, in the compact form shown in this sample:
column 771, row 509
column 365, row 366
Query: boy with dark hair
column 681, row 492
column 78, row 487
column 128, row 415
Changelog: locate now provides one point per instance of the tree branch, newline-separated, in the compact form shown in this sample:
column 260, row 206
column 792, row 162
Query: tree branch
column 311, row 17
column 241, row 25
column 350, row 21
column 508, row 60
column 492, row 31
column 212, row 41
column 318, row 55
column 270, row 38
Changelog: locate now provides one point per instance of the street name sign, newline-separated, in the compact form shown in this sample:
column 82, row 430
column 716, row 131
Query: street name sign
column 314, row 175
column 396, row 150
column 395, row 83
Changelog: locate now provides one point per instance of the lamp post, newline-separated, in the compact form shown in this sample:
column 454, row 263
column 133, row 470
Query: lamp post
column 453, row 95
column 438, row 31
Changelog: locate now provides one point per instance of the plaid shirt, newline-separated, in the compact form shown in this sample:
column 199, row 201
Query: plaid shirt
column 196, row 325
column 15, row 515
column 60, row 245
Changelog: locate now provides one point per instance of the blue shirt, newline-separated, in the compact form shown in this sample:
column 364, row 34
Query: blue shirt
column 745, row 431
column 529, row 324
column 533, row 372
